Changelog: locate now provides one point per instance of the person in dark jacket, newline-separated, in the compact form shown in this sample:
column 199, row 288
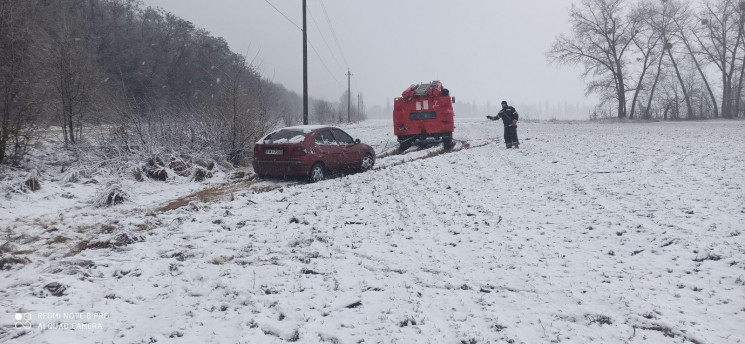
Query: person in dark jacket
column 509, row 117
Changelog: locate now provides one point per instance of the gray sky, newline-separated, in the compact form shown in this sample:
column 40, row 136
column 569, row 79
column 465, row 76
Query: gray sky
column 482, row 50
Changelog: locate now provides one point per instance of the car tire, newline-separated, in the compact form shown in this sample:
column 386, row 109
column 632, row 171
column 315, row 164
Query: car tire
column 367, row 163
column 317, row 173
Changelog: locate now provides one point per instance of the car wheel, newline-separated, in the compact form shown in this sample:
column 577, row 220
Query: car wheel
column 317, row 173
column 367, row 162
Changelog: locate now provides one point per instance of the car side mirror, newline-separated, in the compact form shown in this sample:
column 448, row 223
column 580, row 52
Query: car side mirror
column 356, row 141
column 453, row 99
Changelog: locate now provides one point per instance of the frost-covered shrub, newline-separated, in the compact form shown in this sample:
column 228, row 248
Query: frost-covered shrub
column 32, row 181
column 200, row 174
column 208, row 165
column 110, row 195
column 137, row 174
column 71, row 176
column 180, row 166
column 156, row 169
column 74, row 175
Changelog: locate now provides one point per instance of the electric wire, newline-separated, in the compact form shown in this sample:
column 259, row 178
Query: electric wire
column 324, row 63
column 323, row 38
column 309, row 42
column 282, row 14
column 333, row 32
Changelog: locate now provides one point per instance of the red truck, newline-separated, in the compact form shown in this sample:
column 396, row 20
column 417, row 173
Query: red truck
column 424, row 111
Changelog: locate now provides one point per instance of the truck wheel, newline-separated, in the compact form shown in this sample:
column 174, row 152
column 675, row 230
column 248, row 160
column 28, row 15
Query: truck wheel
column 448, row 142
column 317, row 173
column 404, row 145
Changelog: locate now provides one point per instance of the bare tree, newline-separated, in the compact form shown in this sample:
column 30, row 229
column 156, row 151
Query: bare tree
column 323, row 112
column 647, row 42
column 241, row 110
column 602, row 35
column 72, row 71
column 662, row 18
column 682, row 27
column 740, row 84
column 722, row 44
column 18, row 97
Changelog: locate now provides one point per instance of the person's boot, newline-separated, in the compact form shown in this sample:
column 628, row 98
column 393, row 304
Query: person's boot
column 517, row 146
column 509, row 146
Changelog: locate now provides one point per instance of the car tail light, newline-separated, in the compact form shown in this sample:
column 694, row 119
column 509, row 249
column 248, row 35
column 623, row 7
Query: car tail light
column 298, row 151
column 256, row 151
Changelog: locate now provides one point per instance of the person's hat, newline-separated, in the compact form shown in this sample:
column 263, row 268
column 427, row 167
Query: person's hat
column 504, row 102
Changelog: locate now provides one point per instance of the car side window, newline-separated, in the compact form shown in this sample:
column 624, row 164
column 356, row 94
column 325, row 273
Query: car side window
column 343, row 137
column 325, row 138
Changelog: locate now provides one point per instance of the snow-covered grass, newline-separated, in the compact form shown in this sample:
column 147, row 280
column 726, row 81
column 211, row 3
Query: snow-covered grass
column 606, row 233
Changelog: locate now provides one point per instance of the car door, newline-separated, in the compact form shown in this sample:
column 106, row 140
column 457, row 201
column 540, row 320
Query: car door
column 352, row 155
column 328, row 149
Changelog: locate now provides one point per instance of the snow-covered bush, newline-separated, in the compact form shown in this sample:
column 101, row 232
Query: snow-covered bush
column 200, row 174
column 71, row 176
column 32, row 181
column 156, row 169
column 110, row 195
column 74, row 175
column 138, row 174
column 180, row 165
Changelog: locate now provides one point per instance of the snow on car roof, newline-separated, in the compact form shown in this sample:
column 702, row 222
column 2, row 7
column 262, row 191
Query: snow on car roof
column 306, row 128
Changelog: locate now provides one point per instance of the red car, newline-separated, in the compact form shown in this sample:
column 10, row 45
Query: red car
column 310, row 151
column 424, row 111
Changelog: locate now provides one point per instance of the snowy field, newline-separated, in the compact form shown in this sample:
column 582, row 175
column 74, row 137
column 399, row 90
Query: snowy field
column 589, row 233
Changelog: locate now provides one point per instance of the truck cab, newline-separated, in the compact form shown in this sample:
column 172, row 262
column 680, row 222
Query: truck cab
column 424, row 112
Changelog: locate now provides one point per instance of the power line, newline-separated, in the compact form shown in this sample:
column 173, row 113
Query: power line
column 333, row 32
column 324, row 63
column 280, row 12
column 331, row 51
column 356, row 87
column 311, row 44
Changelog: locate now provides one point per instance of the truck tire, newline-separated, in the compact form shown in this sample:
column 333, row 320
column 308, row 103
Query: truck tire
column 448, row 142
column 404, row 143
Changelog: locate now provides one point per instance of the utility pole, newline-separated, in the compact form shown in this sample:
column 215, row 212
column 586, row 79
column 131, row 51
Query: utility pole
column 349, row 95
column 305, row 68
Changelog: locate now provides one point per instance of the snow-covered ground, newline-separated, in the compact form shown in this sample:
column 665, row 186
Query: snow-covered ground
column 589, row 233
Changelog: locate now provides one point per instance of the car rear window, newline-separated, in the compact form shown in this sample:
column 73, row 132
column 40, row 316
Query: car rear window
column 421, row 116
column 284, row 136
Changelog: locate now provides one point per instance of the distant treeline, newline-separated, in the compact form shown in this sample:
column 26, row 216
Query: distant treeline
column 153, row 80
column 666, row 59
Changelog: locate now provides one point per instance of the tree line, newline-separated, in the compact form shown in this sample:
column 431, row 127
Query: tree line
column 117, row 73
column 665, row 59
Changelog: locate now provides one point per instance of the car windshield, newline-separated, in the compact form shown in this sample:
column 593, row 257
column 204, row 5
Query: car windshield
column 284, row 136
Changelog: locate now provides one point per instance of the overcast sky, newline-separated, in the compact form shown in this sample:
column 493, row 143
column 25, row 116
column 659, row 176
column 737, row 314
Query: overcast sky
column 482, row 50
